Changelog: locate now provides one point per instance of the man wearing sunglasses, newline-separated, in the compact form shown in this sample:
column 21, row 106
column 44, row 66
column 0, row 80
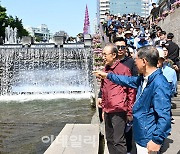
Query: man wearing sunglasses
column 123, row 55
column 130, row 63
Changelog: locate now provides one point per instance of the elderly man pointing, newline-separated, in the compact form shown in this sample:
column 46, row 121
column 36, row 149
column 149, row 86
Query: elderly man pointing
column 151, row 111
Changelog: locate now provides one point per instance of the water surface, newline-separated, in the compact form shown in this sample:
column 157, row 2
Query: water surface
column 24, row 124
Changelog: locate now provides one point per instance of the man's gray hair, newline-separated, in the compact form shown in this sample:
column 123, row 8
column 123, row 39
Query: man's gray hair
column 114, row 48
column 150, row 53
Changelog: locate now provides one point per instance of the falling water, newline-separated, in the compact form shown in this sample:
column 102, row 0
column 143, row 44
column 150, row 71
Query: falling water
column 27, row 71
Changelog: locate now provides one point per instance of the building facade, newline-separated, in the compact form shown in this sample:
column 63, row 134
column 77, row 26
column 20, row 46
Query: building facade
column 102, row 8
column 146, row 8
column 120, row 7
column 126, row 7
column 42, row 32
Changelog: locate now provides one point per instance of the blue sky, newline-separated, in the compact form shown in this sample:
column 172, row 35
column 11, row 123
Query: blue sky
column 67, row 15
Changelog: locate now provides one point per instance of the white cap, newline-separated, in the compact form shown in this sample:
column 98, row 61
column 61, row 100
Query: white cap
column 131, row 50
column 161, row 52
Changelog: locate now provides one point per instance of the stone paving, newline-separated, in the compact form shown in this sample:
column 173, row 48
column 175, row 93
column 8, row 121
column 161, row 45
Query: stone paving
column 172, row 143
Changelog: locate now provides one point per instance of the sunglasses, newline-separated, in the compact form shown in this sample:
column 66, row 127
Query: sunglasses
column 121, row 47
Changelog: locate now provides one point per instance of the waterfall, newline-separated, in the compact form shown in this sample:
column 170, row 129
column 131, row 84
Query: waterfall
column 27, row 71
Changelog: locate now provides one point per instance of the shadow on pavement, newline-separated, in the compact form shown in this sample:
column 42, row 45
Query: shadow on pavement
column 166, row 145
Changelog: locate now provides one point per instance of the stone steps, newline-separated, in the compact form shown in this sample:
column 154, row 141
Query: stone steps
column 176, row 98
column 176, row 103
column 176, row 112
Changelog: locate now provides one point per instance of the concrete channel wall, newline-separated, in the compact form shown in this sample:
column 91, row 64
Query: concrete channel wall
column 172, row 24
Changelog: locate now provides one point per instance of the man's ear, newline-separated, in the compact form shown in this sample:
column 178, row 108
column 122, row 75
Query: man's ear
column 114, row 55
column 144, row 61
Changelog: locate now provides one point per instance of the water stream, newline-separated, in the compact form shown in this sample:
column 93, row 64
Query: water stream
column 42, row 89
column 23, row 125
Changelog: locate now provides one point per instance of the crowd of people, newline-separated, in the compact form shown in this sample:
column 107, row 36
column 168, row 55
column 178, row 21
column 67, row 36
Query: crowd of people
column 137, row 84
column 139, row 32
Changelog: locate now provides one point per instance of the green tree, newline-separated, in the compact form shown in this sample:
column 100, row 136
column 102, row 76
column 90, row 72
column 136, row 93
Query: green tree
column 3, row 21
column 38, row 38
column 16, row 22
column 13, row 22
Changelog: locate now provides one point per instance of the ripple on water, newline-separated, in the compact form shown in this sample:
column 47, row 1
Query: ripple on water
column 23, row 125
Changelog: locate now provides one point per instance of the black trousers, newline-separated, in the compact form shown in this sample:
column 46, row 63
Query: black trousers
column 115, row 136
column 128, row 136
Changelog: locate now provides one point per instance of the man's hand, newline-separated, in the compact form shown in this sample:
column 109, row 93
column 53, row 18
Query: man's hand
column 99, row 101
column 153, row 147
column 100, row 74
column 176, row 67
column 103, row 116
column 129, row 118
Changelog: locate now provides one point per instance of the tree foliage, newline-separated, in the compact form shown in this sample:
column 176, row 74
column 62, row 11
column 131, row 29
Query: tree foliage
column 6, row 20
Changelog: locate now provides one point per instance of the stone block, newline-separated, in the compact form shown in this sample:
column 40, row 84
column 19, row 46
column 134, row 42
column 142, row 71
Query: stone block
column 171, row 24
column 58, row 40
column 76, row 139
column 87, row 40
column 27, row 40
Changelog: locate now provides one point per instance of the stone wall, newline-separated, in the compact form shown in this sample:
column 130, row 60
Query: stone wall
column 172, row 24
